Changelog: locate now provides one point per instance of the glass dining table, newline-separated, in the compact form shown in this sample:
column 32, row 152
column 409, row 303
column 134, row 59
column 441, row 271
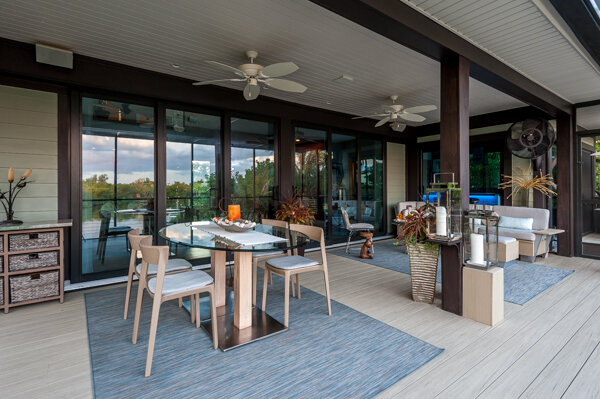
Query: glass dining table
column 238, row 322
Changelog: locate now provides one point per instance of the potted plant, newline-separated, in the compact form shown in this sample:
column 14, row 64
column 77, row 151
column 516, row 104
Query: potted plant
column 422, row 255
column 294, row 211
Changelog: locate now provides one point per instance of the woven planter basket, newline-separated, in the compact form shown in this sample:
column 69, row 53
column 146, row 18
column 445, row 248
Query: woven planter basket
column 423, row 271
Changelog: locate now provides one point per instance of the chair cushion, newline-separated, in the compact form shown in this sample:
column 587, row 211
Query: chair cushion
column 519, row 234
column 173, row 265
column 361, row 226
column 540, row 216
column 182, row 282
column 291, row 262
column 515, row 223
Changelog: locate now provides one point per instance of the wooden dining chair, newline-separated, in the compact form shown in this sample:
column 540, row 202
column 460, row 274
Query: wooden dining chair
column 294, row 265
column 258, row 257
column 174, row 265
column 165, row 287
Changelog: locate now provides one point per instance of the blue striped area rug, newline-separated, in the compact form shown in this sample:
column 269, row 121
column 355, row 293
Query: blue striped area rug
column 522, row 281
column 346, row 355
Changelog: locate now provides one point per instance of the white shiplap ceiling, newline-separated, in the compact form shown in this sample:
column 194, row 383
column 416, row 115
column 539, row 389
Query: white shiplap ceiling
column 153, row 34
column 528, row 35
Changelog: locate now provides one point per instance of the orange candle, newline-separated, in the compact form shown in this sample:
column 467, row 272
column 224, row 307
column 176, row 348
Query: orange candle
column 234, row 212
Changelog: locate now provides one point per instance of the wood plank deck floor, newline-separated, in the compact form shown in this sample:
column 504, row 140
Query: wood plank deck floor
column 548, row 348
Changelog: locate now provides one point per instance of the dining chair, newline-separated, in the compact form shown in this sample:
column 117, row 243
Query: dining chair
column 106, row 232
column 294, row 265
column 355, row 227
column 258, row 257
column 174, row 265
column 165, row 287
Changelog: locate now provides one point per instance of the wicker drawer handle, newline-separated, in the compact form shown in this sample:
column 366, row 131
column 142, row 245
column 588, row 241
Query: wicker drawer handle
column 35, row 276
column 33, row 236
column 34, row 256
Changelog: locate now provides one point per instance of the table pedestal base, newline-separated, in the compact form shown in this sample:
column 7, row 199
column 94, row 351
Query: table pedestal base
column 230, row 336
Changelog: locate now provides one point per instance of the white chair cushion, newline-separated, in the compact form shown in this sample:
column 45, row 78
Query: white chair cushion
column 515, row 223
column 265, row 254
column 182, row 282
column 173, row 265
column 361, row 226
column 291, row 262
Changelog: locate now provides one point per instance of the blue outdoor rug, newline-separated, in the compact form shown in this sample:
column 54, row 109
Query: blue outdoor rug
column 522, row 281
column 346, row 355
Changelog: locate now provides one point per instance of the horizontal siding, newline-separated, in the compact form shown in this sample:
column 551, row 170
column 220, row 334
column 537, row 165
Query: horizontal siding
column 28, row 139
column 396, row 177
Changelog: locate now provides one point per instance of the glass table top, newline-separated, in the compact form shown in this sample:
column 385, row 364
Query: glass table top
column 190, row 234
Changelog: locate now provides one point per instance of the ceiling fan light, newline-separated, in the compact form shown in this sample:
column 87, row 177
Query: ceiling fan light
column 252, row 82
column 398, row 126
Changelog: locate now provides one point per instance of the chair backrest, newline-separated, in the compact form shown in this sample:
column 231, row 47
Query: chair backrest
column 541, row 217
column 104, row 222
column 314, row 233
column 275, row 222
column 135, row 238
column 156, row 255
column 346, row 217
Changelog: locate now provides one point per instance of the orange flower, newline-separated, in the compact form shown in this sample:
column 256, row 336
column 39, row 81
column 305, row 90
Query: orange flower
column 26, row 174
column 11, row 175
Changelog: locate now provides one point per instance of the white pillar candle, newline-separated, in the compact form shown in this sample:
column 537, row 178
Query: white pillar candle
column 477, row 248
column 440, row 221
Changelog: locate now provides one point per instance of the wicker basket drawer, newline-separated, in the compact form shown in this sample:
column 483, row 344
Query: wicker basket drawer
column 1, row 243
column 1, row 291
column 1, row 264
column 22, row 242
column 32, row 261
column 28, row 287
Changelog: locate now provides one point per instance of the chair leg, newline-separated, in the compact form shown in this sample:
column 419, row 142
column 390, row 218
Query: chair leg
column 298, row 285
column 180, row 302
column 138, row 310
column 152, row 339
column 213, row 318
column 192, row 309
column 326, row 276
column 128, row 294
column 265, row 280
column 286, row 312
column 270, row 278
column 254, row 280
column 293, row 288
column 197, row 301
column 348, row 243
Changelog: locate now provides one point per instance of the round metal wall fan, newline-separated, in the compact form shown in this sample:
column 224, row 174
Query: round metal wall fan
column 397, row 115
column 253, row 74
column 530, row 138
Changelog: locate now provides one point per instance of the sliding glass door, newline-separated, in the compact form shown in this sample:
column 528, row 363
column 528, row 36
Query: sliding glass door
column 253, row 167
column 311, row 178
column 344, row 190
column 371, row 182
column 117, row 188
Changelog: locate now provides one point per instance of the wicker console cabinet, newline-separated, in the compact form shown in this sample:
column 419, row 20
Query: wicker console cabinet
column 32, row 263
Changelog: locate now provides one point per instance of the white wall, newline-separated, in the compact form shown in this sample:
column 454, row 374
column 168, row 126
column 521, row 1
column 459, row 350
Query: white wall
column 396, row 178
column 28, row 139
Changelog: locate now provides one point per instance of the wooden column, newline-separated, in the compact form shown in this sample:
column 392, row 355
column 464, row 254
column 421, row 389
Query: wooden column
column 286, row 153
column 565, row 213
column 413, row 171
column 454, row 157
column 507, row 171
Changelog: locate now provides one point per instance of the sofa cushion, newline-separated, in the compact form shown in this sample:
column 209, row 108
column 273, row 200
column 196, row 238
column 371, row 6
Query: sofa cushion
column 515, row 223
column 540, row 216
column 519, row 234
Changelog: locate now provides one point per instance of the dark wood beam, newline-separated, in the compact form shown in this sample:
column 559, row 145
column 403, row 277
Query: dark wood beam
column 413, row 171
column 454, row 140
column 403, row 24
column 565, row 180
column 18, row 60
column 485, row 120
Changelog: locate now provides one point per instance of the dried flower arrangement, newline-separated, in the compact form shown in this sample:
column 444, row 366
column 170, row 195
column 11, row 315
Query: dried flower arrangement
column 522, row 182
column 7, row 198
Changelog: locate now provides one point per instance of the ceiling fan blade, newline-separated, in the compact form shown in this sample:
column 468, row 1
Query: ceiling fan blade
column 393, row 108
column 369, row 116
column 420, row 108
column 383, row 121
column 251, row 92
column 238, row 72
column 285, row 85
column 412, row 117
column 210, row 82
column 277, row 70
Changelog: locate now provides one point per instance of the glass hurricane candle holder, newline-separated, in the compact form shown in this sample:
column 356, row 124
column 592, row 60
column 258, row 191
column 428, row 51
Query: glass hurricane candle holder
column 480, row 239
column 446, row 199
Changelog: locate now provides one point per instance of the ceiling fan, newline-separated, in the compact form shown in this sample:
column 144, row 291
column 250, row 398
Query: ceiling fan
column 397, row 115
column 253, row 74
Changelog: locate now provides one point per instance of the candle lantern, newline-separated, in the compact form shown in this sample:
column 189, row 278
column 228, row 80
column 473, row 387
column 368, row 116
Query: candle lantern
column 480, row 239
column 446, row 198
column 234, row 212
